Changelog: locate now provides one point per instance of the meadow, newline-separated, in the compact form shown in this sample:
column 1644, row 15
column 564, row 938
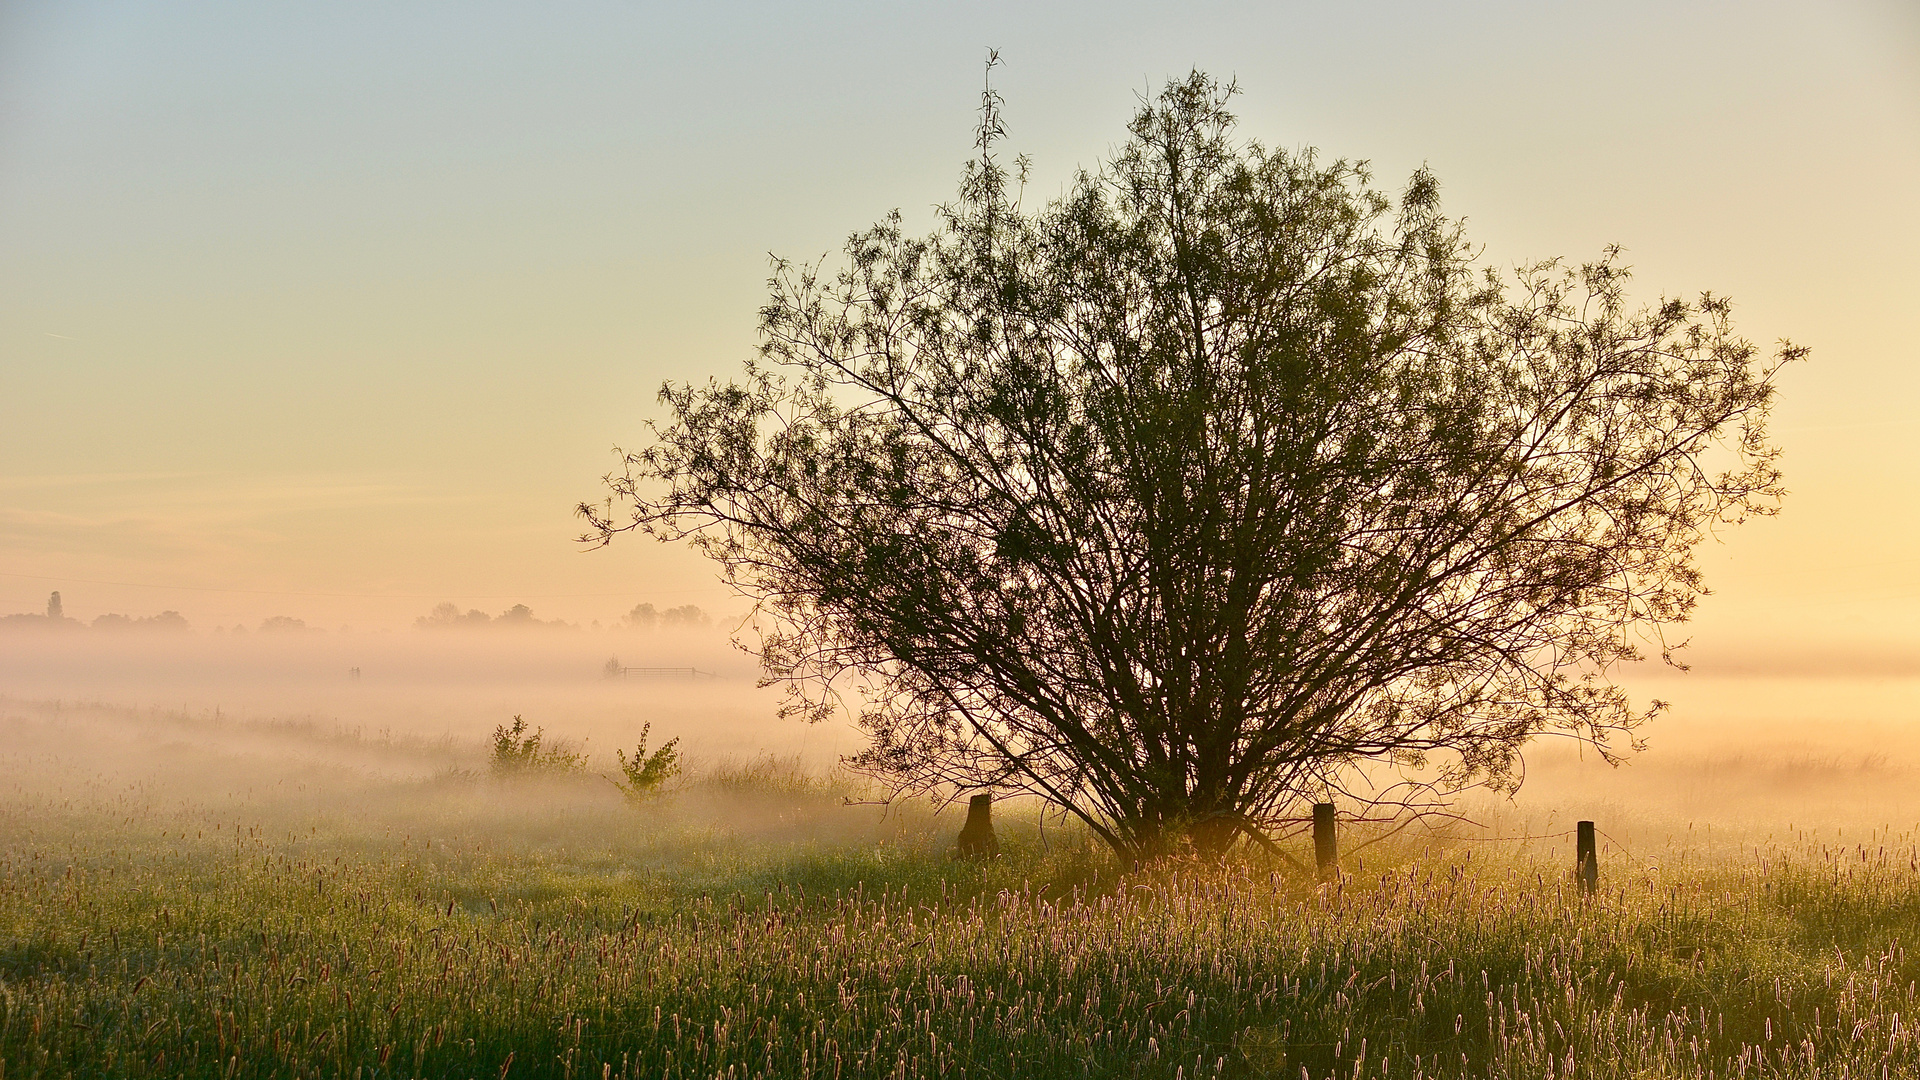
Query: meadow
column 314, row 917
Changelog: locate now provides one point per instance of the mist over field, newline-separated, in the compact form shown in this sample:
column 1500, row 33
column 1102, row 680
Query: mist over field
column 1196, row 425
column 418, row 686
column 204, row 716
column 226, row 855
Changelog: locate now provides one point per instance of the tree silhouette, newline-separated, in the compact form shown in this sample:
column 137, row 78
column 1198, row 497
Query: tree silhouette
column 1213, row 485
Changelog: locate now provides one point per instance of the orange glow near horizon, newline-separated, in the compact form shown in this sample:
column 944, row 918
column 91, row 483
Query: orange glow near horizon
column 336, row 316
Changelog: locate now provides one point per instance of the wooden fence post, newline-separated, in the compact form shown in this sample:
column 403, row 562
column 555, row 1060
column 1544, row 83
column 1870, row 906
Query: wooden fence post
column 1587, row 862
column 1326, row 850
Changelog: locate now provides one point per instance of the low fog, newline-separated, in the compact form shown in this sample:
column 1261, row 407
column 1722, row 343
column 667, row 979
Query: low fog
column 389, row 731
column 430, row 683
column 342, row 742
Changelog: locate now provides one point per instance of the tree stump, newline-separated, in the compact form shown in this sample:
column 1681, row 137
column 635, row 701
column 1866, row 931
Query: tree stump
column 976, row 837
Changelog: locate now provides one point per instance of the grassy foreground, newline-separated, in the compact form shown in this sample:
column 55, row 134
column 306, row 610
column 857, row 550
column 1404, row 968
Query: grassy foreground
column 222, row 949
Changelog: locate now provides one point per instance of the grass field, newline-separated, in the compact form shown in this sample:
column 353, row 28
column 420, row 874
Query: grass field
column 752, row 925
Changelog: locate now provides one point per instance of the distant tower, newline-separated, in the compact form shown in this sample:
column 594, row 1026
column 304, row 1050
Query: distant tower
column 53, row 607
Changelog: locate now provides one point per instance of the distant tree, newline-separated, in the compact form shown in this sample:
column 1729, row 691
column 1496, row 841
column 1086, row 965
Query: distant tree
column 1209, row 487
column 446, row 615
column 55, row 617
column 166, row 620
column 285, row 624
column 685, row 617
column 518, row 615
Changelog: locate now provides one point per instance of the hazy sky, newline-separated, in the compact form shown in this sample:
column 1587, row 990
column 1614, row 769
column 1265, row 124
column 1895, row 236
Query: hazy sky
column 335, row 310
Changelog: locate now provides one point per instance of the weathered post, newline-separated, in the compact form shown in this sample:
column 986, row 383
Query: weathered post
column 1587, row 862
column 976, row 836
column 1326, row 851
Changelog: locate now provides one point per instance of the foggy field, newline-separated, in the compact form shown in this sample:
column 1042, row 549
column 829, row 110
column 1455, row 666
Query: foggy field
column 206, row 890
column 1225, row 499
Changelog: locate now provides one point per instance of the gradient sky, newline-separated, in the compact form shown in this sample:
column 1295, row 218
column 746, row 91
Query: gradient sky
column 336, row 310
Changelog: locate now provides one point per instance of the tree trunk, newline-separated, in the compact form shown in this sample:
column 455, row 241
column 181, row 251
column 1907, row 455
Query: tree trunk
column 1213, row 836
column 977, row 840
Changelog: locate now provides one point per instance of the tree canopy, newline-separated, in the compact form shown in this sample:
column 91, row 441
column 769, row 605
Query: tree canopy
column 1210, row 486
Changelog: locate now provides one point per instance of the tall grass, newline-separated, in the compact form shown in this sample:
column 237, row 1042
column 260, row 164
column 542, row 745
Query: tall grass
column 221, row 950
column 321, row 920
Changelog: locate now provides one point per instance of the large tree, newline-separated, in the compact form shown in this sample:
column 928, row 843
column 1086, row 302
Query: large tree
column 1210, row 486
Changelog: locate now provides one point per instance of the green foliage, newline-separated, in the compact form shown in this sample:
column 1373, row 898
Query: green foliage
column 645, row 773
column 1198, row 491
column 520, row 752
column 246, row 955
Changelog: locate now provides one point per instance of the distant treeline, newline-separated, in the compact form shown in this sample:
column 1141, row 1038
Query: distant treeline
column 684, row 617
column 448, row 616
column 56, row 618
column 443, row 616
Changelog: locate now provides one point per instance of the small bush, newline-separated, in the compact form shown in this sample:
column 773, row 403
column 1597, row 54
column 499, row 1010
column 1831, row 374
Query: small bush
column 518, row 752
column 644, row 772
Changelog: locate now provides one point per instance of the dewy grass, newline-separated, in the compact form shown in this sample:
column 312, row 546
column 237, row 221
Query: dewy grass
column 222, row 950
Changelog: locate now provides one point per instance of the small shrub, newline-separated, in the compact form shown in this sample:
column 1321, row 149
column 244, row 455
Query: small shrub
column 518, row 752
column 644, row 772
